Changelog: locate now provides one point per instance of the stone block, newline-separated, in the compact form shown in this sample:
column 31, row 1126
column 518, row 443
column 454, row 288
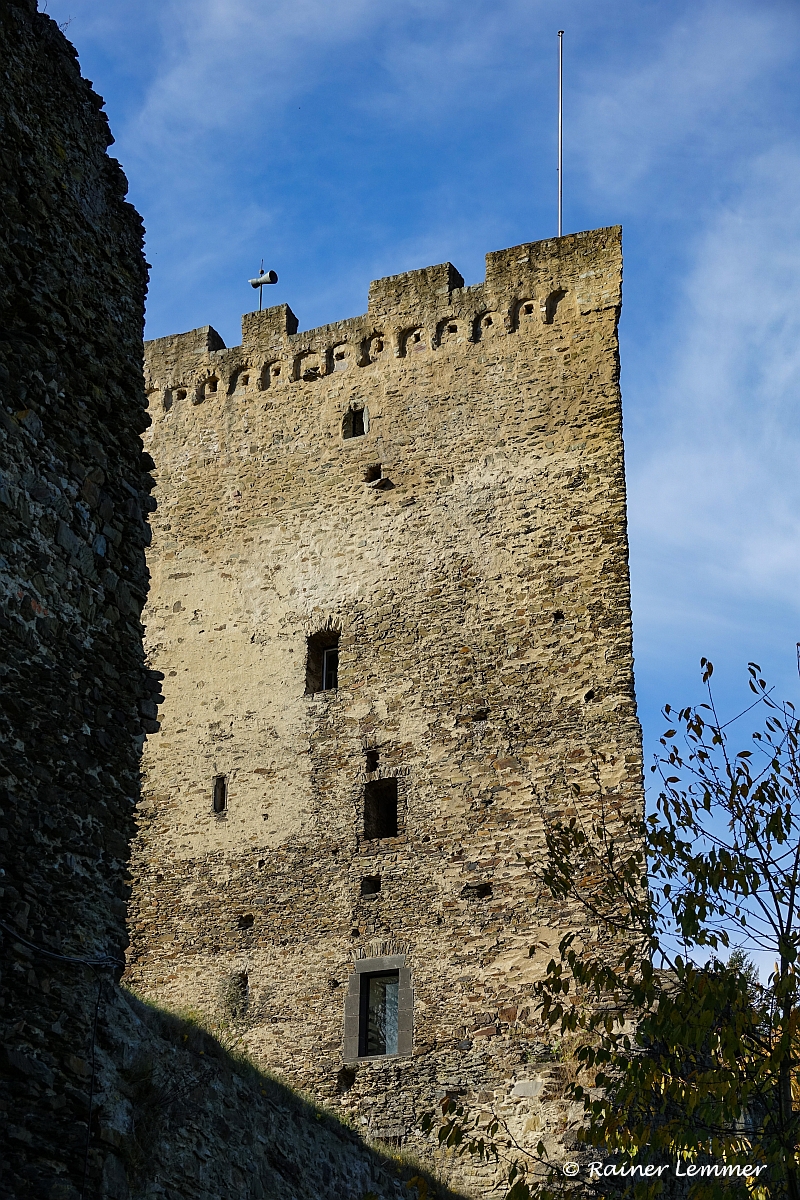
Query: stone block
column 529, row 1088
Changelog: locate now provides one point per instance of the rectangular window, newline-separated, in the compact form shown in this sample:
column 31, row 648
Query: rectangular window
column 379, row 1009
column 322, row 662
column 330, row 668
column 354, row 423
column 380, row 808
column 378, row 1025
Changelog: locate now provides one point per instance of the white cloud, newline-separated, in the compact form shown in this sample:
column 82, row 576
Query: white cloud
column 231, row 65
column 691, row 98
column 714, row 479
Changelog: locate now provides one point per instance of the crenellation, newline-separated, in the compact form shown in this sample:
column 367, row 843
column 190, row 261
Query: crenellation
column 525, row 288
column 414, row 291
column 268, row 327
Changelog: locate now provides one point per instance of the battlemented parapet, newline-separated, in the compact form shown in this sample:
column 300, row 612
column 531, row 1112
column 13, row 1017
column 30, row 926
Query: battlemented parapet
column 390, row 600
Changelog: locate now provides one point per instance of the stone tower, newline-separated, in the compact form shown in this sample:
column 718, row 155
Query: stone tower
column 390, row 602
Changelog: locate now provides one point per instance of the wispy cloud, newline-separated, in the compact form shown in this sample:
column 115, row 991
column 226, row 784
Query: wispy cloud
column 730, row 398
column 714, row 491
column 233, row 65
column 695, row 96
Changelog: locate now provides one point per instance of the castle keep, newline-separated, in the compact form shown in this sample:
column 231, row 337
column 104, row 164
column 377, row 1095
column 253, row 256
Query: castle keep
column 390, row 603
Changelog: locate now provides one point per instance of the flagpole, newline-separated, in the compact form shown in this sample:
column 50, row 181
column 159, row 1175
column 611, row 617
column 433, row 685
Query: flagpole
column 560, row 126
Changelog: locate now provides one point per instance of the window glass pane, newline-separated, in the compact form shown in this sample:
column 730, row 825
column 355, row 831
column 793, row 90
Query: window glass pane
column 322, row 660
column 382, row 1014
column 330, row 669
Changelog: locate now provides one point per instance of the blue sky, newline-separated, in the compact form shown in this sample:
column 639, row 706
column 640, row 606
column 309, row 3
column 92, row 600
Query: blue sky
column 343, row 140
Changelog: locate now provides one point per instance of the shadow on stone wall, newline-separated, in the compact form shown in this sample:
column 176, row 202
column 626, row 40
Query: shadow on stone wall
column 182, row 1114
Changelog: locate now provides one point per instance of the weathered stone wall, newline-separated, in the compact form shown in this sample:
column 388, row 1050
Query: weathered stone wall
column 470, row 550
column 181, row 1117
column 73, row 487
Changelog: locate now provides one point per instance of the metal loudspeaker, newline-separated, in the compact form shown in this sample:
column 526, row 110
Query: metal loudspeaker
column 261, row 280
column 264, row 277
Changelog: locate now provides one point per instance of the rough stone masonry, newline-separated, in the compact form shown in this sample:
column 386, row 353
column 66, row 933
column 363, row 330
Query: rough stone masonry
column 74, row 692
column 390, row 602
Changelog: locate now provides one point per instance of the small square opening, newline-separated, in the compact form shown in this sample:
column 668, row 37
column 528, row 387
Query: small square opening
column 370, row 885
column 476, row 891
column 373, row 758
column 380, row 808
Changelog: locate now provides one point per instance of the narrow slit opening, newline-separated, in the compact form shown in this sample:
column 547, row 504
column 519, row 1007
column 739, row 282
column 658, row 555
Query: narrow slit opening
column 220, row 796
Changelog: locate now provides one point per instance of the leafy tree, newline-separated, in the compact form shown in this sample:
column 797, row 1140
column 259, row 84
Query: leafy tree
column 692, row 1060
